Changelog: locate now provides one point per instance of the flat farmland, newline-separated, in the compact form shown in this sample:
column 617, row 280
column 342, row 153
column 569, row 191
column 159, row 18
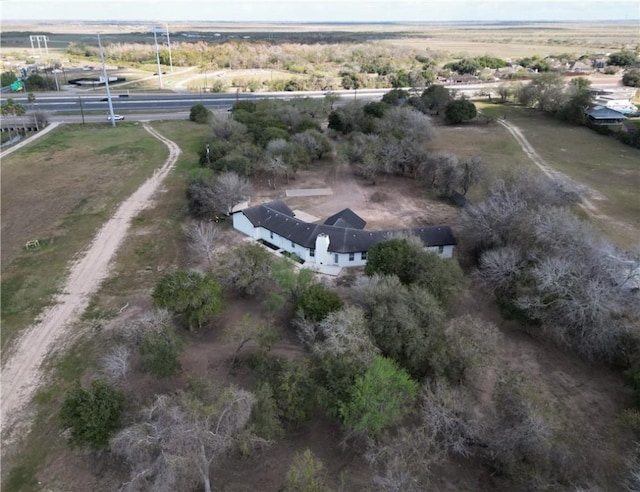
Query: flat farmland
column 59, row 190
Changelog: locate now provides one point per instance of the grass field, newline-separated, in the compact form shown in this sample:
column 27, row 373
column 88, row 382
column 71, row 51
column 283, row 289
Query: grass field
column 154, row 243
column 59, row 190
column 155, row 239
column 493, row 143
column 600, row 162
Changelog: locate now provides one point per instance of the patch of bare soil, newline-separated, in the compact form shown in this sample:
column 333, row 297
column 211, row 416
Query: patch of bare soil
column 586, row 398
column 395, row 202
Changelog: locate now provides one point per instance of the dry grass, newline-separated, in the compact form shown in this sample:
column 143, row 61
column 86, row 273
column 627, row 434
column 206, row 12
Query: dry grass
column 600, row 162
column 59, row 190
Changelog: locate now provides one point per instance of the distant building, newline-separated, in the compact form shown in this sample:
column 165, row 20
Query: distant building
column 599, row 115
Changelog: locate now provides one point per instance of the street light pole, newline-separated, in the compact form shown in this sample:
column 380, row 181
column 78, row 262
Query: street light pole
column 155, row 39
column 106, row 84
column 169, row 45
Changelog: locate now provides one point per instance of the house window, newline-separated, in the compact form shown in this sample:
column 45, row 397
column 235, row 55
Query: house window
column 335, row 259
column 352, row 256
column 363, row 255
column 312, row 253
column 271, row 234
column 440, row 249
column 293, row 245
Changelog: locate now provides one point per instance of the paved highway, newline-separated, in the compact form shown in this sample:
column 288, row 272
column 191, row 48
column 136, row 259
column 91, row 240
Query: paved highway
column 169, row 102
column 131, row 103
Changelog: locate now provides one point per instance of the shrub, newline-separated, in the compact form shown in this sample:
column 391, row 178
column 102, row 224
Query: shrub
column 93, row 414
column 459, row 111
column 306, row 474
column 318, row 301
column 159, row 352
column 380, row 398
column 199, row 114
column 190, row 294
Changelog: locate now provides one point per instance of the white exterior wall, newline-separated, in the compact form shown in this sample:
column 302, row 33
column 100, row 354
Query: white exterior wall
column 244, row 225
column 343, row 259
column 447, row 251
column 323, row 256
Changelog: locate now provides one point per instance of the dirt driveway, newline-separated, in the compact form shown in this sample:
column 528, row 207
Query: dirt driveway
column 22, row 373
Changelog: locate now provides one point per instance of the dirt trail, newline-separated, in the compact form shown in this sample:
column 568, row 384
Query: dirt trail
column 22, row 372
column 39, row 134
column 583, row 190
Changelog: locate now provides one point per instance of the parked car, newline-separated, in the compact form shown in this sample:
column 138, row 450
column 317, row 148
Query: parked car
column 116, row 117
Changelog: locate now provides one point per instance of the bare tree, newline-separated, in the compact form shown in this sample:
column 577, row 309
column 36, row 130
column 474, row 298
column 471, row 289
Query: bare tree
column 226, row 128
column 345, row 333
column 500, row 268
column 202, row 236
column 230, row 189
column 447, row 413
column 473, row 344
column 178, row 439
column 473, row 172
column 448, row 173
column 275, row 167
column 115, row 364
column 521, row 431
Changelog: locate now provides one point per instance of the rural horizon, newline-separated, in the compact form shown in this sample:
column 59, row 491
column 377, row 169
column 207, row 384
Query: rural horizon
column 328, row 256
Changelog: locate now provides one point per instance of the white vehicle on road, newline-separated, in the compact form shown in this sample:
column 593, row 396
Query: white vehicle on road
column 116, row 117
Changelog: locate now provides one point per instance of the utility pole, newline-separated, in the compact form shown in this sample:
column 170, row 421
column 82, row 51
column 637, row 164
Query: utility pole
column 169, row 45
column 81, row 109
column 106, row 84
column 155, row 39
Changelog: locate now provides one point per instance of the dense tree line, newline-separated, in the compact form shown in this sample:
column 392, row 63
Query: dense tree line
column 549, row 268
column 270, row 138
column 392, row 136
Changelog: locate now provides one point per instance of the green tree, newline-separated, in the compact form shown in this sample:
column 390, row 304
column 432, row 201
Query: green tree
column 390, row 258
column 459, row 111
column 160, row 351
column 412, row 264
column 306, row 474
column 7, row 78
column 37, row 82
column 632, row 78
column 190, row 294
column 623, row 59
column 92, row 414
column 395, row 96
column 436, row 98
column 246, row 269
column 465, row 66
column 317, row 302
column 199, row 114
column 406, row 324
column 13, row 108
column 382, row 397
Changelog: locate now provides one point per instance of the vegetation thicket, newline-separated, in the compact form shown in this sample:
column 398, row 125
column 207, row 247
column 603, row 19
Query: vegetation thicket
column 385, row 358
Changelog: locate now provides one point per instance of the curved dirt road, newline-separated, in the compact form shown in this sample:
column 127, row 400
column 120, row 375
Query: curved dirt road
column 22, row 372
column 583, row 190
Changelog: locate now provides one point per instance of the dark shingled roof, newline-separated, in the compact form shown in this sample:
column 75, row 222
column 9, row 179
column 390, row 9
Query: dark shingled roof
column 602, row 113
column 346, row 218
column 277, row 217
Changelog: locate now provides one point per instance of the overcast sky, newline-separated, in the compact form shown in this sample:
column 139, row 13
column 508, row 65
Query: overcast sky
column 320, row 10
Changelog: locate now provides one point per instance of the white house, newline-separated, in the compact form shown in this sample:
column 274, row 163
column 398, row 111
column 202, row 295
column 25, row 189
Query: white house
column 340, row 241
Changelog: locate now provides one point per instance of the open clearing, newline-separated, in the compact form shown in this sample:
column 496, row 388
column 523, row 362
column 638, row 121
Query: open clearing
column 22, row 372
column 59, row 190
